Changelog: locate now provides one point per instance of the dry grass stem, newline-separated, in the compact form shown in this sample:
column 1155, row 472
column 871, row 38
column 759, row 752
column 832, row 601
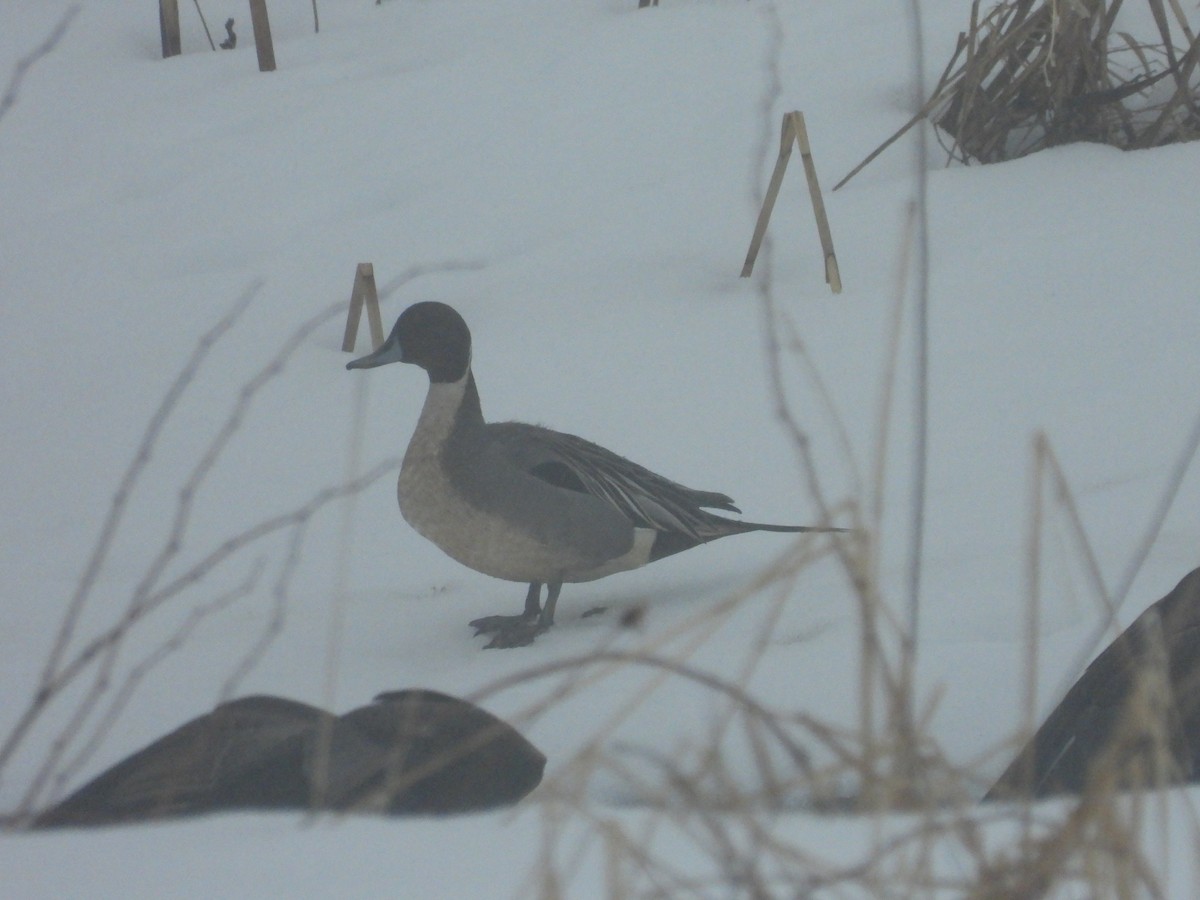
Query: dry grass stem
column 1032, row 74
column 13, row 89
column 84, row 668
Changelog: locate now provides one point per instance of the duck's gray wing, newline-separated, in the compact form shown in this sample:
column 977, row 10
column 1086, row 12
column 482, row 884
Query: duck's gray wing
column 645, row 498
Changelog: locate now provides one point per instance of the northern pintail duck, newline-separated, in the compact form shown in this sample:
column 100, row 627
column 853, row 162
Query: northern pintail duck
column 525, row 503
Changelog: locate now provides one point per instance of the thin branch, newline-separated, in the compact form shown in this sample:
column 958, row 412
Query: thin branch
column 909, row 637
column 100, row 653
column 274, row 625
column 111, row 637
column 9, row 99
column 1159, row 516
column 140, row 670
column 116, row 512
column 204, row 22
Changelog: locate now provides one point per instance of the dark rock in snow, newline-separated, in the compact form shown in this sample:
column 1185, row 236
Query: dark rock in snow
column 409, row 752
column 1133, row 717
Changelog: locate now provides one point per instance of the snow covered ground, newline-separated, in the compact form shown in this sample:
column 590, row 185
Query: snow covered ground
column 580, row 180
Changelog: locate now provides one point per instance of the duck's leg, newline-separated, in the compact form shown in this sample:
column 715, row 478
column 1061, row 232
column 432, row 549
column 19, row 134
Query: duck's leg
column 533, row 607
column 546, row 619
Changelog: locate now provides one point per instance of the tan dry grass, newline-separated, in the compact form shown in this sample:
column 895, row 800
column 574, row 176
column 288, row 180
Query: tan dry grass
column 1032, row 74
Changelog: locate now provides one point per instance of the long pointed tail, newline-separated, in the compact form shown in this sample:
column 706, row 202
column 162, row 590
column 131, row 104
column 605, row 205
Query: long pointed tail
column 670, row 542
column 743, row 527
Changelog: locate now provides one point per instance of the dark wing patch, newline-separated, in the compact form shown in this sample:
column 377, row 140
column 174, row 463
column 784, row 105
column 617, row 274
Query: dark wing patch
column 646, row 499
column 560, row 475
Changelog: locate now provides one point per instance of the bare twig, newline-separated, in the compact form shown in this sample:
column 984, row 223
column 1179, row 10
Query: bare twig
column 138, row 672
column 96, row 657
column 797, row 753
column 52, row 671
column 204, row 22
column 9, row 98
column 909, row 636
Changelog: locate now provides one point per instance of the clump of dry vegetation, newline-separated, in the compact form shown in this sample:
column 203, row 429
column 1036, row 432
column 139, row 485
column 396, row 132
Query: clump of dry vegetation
column 732, row 814
column 1030, row 74
column 896, row 816
column 714, row 820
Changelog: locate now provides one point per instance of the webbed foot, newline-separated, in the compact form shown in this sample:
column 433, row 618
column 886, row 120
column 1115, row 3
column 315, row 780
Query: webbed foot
column 509, row 631
column 520, row 631
column 517, row 633
column 493, row 624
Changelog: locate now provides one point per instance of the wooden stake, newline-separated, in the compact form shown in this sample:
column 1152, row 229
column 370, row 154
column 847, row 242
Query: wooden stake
column 168, row 27
column 364, row 289
column 764, row 214
column 795, row 132
column 833, row 276
column 262, row 35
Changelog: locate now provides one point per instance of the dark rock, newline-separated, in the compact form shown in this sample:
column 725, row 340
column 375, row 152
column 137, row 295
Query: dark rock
column 424, row 752
column 1133, row 716
column 408, row 752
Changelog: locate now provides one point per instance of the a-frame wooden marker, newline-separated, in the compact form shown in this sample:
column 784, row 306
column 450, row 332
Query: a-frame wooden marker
column 794, row 132
column 364, row 291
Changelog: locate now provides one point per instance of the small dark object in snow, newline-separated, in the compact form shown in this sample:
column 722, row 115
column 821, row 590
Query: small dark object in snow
column 409, row 752
column 633, row 617
column 230, row 42
column 1133, row 717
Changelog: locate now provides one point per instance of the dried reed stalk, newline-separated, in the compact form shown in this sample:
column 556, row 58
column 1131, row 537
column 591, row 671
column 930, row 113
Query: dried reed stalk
column 1032, row 74
column 1040, row 74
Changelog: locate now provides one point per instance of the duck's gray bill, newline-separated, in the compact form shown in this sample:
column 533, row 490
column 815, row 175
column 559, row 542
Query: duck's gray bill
column 388, row 352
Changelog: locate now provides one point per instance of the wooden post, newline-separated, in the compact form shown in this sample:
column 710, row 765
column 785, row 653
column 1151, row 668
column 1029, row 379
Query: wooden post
column 364, row 290
column 168, row 27
column 262, row 35
column 794, row 131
